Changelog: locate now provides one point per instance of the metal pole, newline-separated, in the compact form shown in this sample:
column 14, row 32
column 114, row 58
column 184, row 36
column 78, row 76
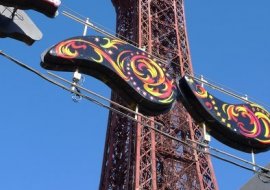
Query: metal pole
column 253, row 160
column 85, row 27
column 206, row 136
column 252, row 152
column 138, row 150
column 77, row 76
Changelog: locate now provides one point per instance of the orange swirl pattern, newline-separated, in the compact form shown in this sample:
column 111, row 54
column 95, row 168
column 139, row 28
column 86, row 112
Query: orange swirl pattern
column 68, row 49
column 201, row 92
column 249, row 120
column 153, row 78
column 136, row 67
column 242, row 114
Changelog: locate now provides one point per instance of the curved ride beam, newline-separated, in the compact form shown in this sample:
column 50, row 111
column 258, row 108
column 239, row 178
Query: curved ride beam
column 46, row 7
column 244, row 127
column 128, row 70
column 144, row 81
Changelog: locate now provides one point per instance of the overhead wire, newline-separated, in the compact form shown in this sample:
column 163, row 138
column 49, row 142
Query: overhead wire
column 227, row 154
column 222, row 90
column 157, row 123
column 106, row 99
column 64, row 6
column 149, row 119
column 111, row 35
column 259, row 172
column 162, row 60
column 233, row 93
column 228, row 91
column 131, row 111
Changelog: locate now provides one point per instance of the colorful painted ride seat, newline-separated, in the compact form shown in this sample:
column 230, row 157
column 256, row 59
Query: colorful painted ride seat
column 245, row 127
column 47, row 7
column 140, row 78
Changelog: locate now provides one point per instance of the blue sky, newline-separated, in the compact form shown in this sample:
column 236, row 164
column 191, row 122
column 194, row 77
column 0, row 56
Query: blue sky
column 48, row 142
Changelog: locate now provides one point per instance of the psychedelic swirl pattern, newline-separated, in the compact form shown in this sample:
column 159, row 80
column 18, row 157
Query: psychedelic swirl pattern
column 250, row 121
column 141, row 71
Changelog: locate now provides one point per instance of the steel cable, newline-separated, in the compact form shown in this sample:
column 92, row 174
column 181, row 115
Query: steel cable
column 261, row 172
column 162, row 60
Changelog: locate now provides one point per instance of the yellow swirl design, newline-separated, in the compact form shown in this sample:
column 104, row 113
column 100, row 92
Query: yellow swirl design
column 250, row 122
column 112, row 43
column 64, row 49
column 258, row 125
column 201, row 92
column 152, row 77
column 134, row 67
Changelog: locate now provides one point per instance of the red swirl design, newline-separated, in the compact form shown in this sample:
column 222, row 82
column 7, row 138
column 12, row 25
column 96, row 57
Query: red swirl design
column 69, row 49
column 251, row 124
column 153, row 78
column 209, row 105
column 245, row 126
column 201, row 92
column 137, row 68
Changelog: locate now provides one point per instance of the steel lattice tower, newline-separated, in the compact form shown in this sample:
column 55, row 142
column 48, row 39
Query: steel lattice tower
column 136, row 157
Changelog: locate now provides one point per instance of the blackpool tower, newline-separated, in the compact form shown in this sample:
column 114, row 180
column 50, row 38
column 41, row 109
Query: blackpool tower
column 136, row 157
